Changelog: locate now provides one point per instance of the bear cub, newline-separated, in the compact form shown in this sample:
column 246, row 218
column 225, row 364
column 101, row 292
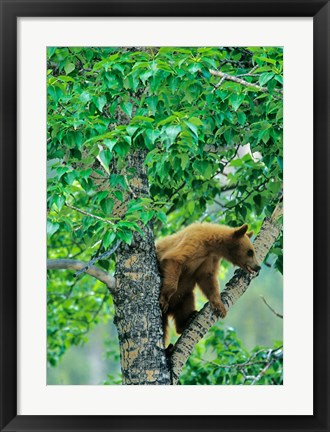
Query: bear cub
column 192, row 257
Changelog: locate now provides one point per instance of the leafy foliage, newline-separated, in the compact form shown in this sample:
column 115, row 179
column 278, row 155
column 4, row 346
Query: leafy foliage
column 213, row 151
column 221, row 359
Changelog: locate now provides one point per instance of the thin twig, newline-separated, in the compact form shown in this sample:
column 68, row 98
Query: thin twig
column 129, row 186
column 251, row 72
column 242, row 82
column 238, row 365
column 219, row 84
column 105, row 254
column 268, row 305
column 89, row 214
column 262, row 373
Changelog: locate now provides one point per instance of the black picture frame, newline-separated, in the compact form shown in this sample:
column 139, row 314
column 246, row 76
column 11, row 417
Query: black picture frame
column 10, row 11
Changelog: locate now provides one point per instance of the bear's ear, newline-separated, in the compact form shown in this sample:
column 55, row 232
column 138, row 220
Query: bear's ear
column 239, row 232
column 249, row 234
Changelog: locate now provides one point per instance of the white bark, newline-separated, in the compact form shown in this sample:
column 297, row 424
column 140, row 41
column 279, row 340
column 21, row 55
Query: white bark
column 71, row 264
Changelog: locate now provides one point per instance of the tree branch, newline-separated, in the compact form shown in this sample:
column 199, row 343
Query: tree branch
column 235, row 288
column 269, row 306
column 227, row 77
column 89, row 214
column 70, row 264
column 105, row 254
column 251, row 72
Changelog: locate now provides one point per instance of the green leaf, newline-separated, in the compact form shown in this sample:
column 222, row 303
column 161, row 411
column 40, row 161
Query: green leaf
column 152, row 102
column 194, row 67
column 192, row 127
column 204, row 167
column 74, row 139
column 105, row 156
column 265, row 136
column 84, row 174
column 167, row 120
column 275, row 187
column 191, row 206
column 196, row 121
column 163, row 169
column 146, row 216
column 134, row 206
column 62, row 170
column 279, row 114
column 70, row 177
column 52, row 228
column 50, row 51
column 241, row 117
column 271, row 85
column 99, row 196
column 119, row 195
column 131, row 130
column 107, row 205
column 184, row 160
column 126, row 236
column 145, row 75
column 161, row 216
column 118, row 179
column 152, row 135
column 122, row 148
column 268, row 60
column 69, row 67
column 265, row 77
column 236, row 100
column 279, row 78
column 85, row 97
column 59, row 200
column 236, row 163
column 228, row 136
column 108, row 239
column 139, row 119
column 65, row 78
column 110, row 143
column 100, row 102
column 127, row 107
column 172, row 132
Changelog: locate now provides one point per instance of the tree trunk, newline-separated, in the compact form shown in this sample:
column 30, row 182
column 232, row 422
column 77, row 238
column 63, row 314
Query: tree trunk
column 136, row 298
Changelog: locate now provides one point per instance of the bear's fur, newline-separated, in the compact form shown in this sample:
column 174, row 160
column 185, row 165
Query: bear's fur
column 191, row 257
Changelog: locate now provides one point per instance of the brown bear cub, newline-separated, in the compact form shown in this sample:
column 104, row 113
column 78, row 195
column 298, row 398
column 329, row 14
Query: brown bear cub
column 191, row 257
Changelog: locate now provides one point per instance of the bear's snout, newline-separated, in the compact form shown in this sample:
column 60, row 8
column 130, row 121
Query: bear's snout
column 252, row 268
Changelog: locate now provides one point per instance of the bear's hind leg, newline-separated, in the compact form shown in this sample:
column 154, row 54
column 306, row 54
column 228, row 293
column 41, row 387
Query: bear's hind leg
column 184, row 312
column 171, row 270
column 165, row 326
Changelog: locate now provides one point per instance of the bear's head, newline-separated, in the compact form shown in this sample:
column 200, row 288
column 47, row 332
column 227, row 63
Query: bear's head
column 241, row 251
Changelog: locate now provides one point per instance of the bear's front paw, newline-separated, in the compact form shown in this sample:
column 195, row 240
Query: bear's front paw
column 163, row 302
column 219, row 308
